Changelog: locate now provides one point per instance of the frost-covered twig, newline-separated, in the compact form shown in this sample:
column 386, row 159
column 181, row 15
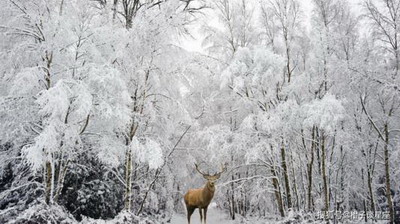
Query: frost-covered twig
column 4, row 193
column 159, row 170
column 371, row 120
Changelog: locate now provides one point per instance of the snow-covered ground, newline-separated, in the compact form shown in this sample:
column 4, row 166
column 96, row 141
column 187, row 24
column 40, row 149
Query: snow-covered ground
column 214, row 216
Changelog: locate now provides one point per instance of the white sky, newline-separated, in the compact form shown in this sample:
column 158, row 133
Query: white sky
column 306, row 6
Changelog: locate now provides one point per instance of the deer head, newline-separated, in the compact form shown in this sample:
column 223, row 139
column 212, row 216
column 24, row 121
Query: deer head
column 201, row 198
column 211, row 178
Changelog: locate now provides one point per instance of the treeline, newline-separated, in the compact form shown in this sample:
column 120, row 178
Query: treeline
column 91, row 107
column 310, row 106
column 102, row 111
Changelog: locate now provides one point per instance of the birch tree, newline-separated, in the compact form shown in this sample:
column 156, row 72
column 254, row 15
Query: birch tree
column 384, row 17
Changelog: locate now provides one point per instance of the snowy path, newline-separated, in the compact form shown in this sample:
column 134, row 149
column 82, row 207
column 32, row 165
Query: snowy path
column 214, row 216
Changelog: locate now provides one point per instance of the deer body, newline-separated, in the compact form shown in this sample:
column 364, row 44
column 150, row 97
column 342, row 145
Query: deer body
column 201, row 198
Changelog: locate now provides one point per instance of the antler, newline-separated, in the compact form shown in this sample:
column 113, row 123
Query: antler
column 223, row 169
column 205, row 175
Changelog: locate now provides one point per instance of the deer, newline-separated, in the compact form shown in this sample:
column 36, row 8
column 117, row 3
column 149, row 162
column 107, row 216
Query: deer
column 201, row 198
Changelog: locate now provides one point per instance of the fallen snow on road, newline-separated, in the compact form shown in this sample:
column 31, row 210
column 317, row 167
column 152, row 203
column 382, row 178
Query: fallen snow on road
column 214, row 216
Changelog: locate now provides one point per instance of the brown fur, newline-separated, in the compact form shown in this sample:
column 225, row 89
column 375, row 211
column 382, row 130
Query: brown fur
column 201, row 198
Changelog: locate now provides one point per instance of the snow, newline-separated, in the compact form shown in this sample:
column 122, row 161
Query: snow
column 147, row 151
column 103, row 96
column 214, row 216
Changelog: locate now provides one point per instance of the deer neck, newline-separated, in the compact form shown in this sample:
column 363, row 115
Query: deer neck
column 208, row 191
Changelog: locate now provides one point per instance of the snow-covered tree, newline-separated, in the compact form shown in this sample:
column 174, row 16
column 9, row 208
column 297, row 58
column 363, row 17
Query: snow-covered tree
column 103, row 114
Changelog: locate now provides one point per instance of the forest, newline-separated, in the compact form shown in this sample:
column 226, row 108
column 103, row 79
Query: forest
column 112, row 110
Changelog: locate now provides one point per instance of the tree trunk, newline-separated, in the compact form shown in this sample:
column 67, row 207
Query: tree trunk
column 128, row 180
column 277, row 190
column 130, row 7
column 365, row 211
column 310, row 172
column 324, row 175
column 61, row 178
column 233, row 198
column 229, row 204
column 114, row 8
column 387, row 174
column 49, row 178
column 317, row 150
column 49, row 168
column 288, row 67
column 286, row 176
column 303, row 181
column 295, row 184
column 371, row 193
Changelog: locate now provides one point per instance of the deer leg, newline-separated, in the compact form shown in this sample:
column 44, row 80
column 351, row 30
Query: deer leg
column 205, row 215
column 189, row 213
column 201, row 215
